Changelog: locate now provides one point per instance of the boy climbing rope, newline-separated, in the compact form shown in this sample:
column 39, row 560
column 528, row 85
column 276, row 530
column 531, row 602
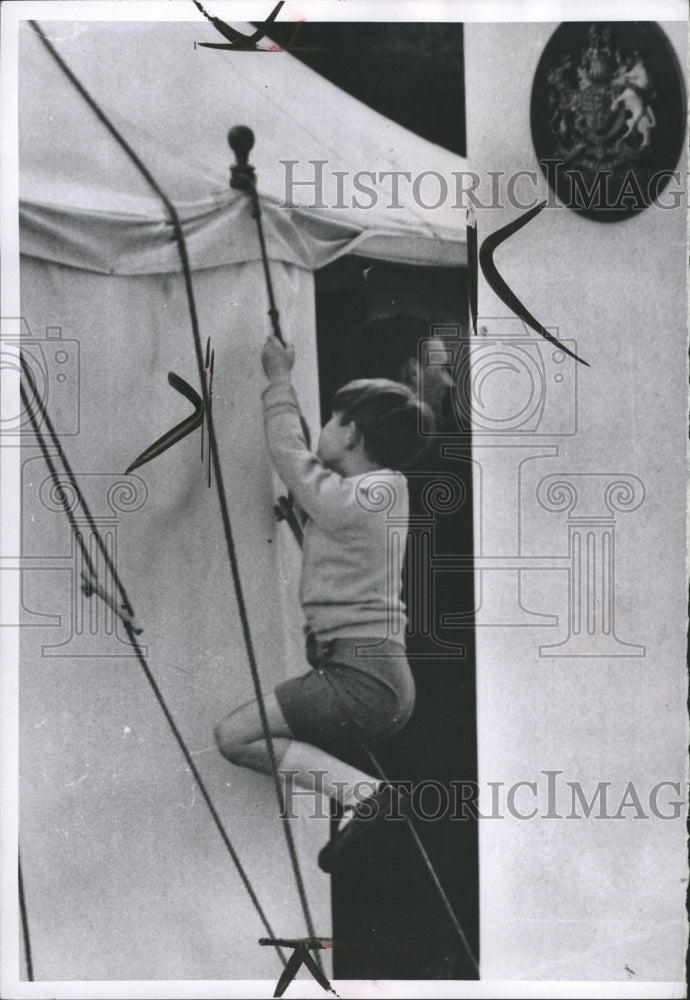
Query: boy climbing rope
column 359, row 689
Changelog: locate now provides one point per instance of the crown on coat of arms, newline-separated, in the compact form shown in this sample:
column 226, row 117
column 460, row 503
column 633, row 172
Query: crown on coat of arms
column 602, row 105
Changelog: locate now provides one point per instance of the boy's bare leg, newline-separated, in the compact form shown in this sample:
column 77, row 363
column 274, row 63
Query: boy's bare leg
column 240, row 739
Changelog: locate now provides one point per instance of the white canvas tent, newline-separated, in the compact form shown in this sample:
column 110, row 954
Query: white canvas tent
column 176, row 111
column 125, row 875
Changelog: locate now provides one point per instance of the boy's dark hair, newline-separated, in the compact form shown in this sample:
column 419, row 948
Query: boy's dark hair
column 389, row 416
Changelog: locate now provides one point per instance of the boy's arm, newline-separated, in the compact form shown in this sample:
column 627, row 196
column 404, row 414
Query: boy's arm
column 324, row 495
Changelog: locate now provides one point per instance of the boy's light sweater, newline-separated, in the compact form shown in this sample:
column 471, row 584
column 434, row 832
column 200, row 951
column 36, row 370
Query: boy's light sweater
column 350, row 585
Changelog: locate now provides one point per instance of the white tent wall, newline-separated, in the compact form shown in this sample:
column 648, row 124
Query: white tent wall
column 596, row 898
column 125, row 873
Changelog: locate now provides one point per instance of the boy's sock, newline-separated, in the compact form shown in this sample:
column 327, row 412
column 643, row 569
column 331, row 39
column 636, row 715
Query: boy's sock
column 350, row 802
column 345, row 784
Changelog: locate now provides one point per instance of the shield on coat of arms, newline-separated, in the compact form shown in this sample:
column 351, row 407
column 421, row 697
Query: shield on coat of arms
column 608, row 116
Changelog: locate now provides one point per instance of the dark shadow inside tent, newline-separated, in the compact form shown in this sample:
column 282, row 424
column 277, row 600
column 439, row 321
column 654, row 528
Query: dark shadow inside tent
column 389, row 921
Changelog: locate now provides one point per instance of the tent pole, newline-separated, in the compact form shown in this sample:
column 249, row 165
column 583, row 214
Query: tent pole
column 243, row 178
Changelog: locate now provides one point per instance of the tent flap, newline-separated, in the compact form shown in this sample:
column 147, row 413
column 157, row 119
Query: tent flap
column 113, row 243
column 84, row 203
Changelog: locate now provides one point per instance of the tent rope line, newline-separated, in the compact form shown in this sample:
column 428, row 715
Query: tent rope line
column 64, row 500
column 430, row 869
column 215, row 458
column 213, row 445
column 25, row 921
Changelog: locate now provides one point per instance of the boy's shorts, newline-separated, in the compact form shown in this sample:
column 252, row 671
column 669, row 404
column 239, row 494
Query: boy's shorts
column 360, row 691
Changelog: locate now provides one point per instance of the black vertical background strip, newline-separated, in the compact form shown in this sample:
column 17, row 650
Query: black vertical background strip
column 388, row 919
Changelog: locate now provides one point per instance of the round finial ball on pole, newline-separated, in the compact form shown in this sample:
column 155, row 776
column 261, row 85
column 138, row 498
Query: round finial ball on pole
column 241, row 141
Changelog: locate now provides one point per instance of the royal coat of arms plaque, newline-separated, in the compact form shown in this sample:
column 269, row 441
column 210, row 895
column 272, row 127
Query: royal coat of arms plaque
column 608, row 117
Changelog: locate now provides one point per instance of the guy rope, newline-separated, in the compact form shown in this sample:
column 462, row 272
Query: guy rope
column 32, row 394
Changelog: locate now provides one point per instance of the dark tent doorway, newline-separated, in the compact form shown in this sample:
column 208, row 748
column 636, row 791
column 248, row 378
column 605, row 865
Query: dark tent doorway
column 388, row 919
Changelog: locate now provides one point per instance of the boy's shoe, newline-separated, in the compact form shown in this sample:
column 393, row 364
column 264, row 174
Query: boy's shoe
column 389, row 802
